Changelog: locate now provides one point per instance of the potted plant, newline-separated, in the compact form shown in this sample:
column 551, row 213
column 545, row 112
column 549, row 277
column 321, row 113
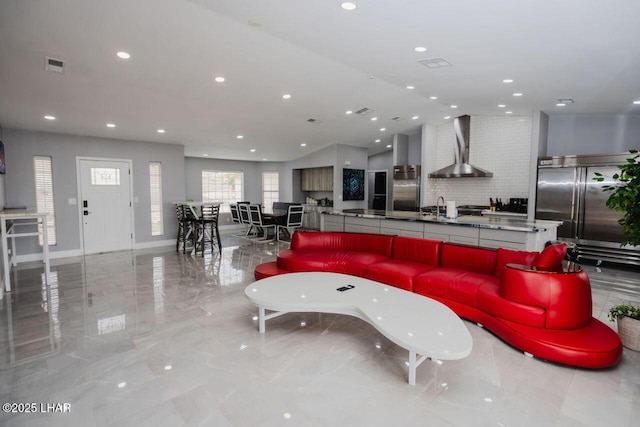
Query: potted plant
column 628, row 319
column 624, row 197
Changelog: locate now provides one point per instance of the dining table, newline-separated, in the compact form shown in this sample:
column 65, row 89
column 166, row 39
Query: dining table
column 279, row 218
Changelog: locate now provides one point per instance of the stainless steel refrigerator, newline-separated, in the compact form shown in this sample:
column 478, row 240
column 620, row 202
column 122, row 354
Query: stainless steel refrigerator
column 567, row 192
column 406, row 188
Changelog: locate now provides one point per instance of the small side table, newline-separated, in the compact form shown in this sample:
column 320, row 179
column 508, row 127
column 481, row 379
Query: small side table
column 11, row 221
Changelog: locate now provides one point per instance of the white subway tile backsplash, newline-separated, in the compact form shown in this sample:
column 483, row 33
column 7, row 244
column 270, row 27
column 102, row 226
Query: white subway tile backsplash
column 498, row 144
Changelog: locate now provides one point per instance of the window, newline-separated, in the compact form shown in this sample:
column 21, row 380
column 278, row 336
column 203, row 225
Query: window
column 223, row 187
column 44, row 195
column 270, row 187
column 155, row 189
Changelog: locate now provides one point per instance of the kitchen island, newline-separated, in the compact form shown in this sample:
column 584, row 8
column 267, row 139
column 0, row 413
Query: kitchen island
column 517, row 234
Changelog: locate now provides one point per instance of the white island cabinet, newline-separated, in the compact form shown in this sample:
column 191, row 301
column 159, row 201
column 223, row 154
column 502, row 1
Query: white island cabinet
column 498, row 232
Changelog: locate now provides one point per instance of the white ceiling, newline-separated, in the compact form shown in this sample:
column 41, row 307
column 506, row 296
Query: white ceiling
column 328, row 59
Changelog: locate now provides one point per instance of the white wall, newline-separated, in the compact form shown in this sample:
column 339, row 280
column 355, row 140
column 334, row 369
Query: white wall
column 592, row 134
column 498, row 144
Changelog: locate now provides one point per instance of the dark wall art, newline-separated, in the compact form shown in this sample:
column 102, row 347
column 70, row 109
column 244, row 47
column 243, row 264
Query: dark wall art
column 352, row 184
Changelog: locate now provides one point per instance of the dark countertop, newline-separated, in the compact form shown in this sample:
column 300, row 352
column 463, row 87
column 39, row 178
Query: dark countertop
column 509, row 224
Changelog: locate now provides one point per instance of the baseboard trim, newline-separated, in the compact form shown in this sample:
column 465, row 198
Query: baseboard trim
column 52, row 255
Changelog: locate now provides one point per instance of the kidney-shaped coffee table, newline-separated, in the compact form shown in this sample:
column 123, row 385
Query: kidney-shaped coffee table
column 419, row 324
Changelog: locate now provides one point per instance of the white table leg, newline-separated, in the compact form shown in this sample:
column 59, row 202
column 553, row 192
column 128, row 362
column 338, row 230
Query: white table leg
column 261, row 320
column 412, row 368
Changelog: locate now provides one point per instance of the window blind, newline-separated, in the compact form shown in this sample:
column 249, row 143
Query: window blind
column 270, row 188
column 155, row 189
column 44, row 196
column 223, row 187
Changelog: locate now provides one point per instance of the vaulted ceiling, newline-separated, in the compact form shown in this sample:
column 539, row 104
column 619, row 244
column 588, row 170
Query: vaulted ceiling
column 329, row 60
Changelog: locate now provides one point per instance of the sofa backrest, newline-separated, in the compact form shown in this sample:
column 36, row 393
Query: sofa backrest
column 359, row 242
column 418, row 250
column 469, row 258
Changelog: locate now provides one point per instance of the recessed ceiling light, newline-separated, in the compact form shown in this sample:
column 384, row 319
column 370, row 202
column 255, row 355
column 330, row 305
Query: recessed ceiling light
column 348, row 6
column 264, row 159
column 411, row 87
column 253, row 150
column 420, row 49
column 447, row 117
column 50, row 117
column 636, row 102
column 433, row 97
column 454, row 106
column 373, row 119
column 507, row 81
column 123, row 55
column 501, row 105
column 415, row 117
column 304, row 144
column 517, row 94
column 377, row 140
column 219, row 79
column 239, row 136
column 389, row 146
column 560, row 104
column 161, row 131
column 111, row 125
column 348, row 112
column 205, row 155
column 383, row 129
column 286, row 96
column 508, row 112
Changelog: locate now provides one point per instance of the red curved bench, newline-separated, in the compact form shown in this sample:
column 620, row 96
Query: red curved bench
column 531, row 300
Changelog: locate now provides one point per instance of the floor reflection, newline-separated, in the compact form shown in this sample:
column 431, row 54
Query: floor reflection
column 158, row 337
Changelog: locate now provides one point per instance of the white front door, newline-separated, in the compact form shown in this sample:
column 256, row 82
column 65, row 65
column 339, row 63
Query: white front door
column 105, row 205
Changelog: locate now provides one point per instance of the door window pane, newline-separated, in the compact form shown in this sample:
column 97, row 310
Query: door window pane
column 105, row 176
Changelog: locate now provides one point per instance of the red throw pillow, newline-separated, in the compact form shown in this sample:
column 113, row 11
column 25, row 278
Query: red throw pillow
column 551, row 256
column 508, row 256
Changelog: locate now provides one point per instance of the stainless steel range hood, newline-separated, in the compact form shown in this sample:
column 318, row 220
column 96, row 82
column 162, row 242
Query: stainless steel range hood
column 461, row 168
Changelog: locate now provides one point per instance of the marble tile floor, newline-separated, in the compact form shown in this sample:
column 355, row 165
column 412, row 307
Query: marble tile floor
column 158, row 338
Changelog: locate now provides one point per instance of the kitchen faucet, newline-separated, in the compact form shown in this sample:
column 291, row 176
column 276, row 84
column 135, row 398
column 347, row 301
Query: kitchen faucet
column 438, row 206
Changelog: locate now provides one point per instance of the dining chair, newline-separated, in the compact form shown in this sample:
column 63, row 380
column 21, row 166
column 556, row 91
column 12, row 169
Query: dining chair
column 294, row 220
column 245, row 218
column 207, row 231
column 258, row 221
column 235, row 218
column 185, row 227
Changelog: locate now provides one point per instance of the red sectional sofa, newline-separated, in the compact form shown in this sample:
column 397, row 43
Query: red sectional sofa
column 531, row 300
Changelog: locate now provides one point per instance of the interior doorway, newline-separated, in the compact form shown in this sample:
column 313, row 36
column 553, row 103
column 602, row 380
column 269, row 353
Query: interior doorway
column 105, row 204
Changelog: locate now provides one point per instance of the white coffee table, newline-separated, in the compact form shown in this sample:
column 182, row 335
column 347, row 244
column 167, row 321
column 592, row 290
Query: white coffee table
column 419, row 324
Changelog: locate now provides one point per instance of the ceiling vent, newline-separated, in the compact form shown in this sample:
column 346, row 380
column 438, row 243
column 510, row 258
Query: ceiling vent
column 364, row 111
column 52, row 64
column 314, row 121
column 435, row 63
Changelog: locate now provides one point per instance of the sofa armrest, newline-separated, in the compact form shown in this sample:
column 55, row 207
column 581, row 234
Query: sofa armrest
column 564, row 292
